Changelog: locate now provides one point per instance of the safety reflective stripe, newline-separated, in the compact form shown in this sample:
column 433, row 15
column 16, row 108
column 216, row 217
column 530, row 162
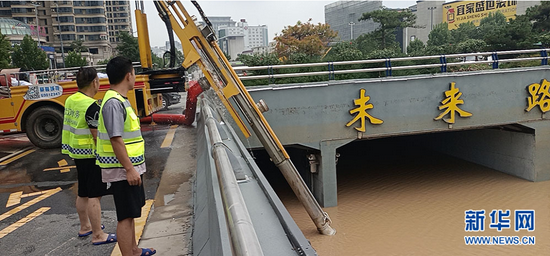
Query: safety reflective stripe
column 76, row 131
column 114, row 160
column 125, row 135
column 77, row 151
column 126, row 104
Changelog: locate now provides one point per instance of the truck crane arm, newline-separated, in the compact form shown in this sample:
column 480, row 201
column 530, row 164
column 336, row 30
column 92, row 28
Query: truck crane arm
column 201, row 49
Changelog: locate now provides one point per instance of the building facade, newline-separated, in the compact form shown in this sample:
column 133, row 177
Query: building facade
column 231, row 40
column 96, row 23
column 235, row 38
column 119, row 19
column 343, row 17
column 254, row 36
column 431, row 13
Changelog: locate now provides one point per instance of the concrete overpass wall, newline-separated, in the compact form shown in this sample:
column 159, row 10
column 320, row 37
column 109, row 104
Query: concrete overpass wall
column 276, row 231
column 315, row 115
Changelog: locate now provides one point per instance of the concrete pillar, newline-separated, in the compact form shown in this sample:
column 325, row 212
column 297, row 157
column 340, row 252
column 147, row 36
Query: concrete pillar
column 542, row 149
column 324, row 186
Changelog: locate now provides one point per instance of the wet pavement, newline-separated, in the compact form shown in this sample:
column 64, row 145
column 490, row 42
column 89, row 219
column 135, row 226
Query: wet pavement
column 38, row 191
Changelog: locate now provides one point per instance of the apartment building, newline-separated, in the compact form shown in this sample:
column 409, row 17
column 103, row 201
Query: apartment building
column 96, row 23
column 119, row 19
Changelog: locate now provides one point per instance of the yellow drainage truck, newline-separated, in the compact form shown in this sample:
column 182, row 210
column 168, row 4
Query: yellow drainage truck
column 37, row 109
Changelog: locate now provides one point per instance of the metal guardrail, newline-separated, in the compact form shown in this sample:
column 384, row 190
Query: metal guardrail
column 443, row 64
column 243, row 235
column 53, row 75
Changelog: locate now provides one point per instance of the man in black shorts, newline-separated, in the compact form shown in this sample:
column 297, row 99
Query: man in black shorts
column 78, row 141
column 121, row 153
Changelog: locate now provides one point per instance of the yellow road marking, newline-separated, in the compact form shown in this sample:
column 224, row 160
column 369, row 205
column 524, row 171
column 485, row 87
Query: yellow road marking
column 63, row 162
column 14, row 153
column 15, row 198
column 5, row 162
column 140, row 224
column 4, row 232
column 169, row 137
column 60, row 168
column 24, row 206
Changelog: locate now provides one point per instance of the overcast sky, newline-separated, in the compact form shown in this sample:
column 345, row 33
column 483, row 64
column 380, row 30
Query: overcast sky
column 275, row 14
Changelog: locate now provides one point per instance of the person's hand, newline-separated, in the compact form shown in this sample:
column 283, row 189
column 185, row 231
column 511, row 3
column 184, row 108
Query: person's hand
column 133, row 177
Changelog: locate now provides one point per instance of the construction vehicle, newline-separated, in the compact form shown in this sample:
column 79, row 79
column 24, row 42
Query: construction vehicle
column 200, row 49
column 37, row 108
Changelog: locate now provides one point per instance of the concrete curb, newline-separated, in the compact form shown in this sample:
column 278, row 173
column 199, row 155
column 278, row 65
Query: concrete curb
column 170, row 223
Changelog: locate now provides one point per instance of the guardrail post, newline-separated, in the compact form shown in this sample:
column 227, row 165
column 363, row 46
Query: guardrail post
column 544, row 54
column 270, row 73
column 388, row 67
column 330, row 70
column 443, row 62
column 495, row 60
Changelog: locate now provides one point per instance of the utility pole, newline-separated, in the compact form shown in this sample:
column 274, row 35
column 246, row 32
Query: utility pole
column 432, row 16
column 351, row 25
column 37, row 23
column 60, row 35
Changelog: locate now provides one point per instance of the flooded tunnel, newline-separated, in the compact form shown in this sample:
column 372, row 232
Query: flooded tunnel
column 397, row 193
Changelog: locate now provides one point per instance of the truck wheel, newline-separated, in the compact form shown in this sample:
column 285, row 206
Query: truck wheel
column 44, row 127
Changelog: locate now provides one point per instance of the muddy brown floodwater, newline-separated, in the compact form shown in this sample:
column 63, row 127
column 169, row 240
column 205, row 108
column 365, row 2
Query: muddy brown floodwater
column 398, row 200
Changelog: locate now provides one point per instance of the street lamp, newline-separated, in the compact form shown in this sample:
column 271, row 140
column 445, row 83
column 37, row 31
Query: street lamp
column 432, row 16
column 37, row 23
column 351, row 25
column 60, row 35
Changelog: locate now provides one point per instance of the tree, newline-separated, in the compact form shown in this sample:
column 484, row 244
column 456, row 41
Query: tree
column 28, row 56
column 263, row 59
column 465, row 31
column 344, row 51
column 367, row 43
column 540, row 16
column 157, row 61
column 416, row 47
column 5, row 49
column 306, row 38
column 440, row 35
column 471, row 45
column 128, row 46
column 389, row 20
column 500, row 34
column 77, row 46
column 75, row 59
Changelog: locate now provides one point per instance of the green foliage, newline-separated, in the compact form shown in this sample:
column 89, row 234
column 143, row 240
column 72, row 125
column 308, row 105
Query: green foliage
column 465, row 31
column 416, row 48
column 158, row 62
column 28, row 56
column 501, row 35
column 128, row 46
column 227, row 56
column 78, row 47
column 344, row 51
column 540, row 16
column 75, row 59
column 389, row 20
column 440, row 35
column 103, row 62
column 367, row 43
column 471, row 45
column 5, row 49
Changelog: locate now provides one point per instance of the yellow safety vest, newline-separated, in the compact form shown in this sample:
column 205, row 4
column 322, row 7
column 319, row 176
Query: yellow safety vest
column 77, row 140
column 135, row 146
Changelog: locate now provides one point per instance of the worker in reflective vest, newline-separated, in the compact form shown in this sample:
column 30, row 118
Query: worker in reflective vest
column 78, row 141
column 121, row 153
